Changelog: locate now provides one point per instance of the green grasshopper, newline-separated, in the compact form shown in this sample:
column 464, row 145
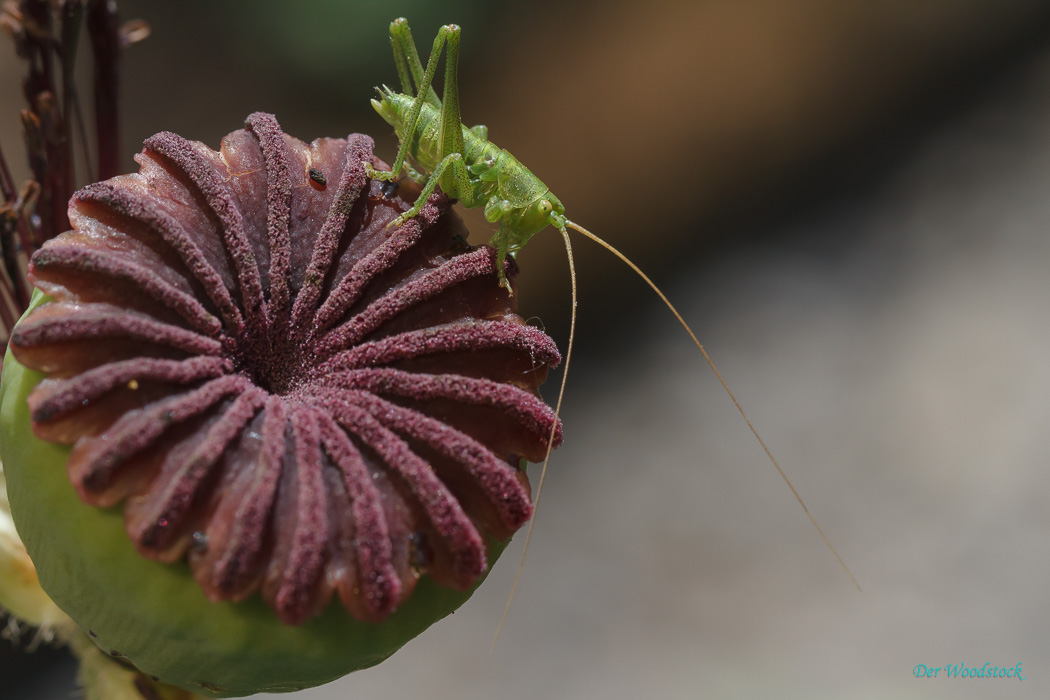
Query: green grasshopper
column 462, row 160
column 468, row 167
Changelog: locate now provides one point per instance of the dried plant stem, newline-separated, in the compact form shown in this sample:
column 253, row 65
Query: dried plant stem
column 12, row 222
column 103, row 25
column 72, row 13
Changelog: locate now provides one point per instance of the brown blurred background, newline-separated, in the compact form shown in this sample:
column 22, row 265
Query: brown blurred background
column 649, row 120
column 847, row 198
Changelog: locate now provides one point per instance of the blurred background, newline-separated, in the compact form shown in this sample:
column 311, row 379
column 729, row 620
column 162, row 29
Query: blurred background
column 848, row 202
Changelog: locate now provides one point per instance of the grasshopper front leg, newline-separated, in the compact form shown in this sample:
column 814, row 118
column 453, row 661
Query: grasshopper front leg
column 499, row 209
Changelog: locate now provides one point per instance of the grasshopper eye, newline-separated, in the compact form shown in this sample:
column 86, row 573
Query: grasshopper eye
column 545, row 206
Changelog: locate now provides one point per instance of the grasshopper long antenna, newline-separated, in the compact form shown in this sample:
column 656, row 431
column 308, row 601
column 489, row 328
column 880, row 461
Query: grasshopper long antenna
column 550, row 438
column 711, row 364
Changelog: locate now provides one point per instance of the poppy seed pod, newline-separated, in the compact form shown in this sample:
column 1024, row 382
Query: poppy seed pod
column 240, row 395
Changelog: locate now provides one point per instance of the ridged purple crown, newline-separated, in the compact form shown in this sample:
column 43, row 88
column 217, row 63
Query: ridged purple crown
column 279, row 388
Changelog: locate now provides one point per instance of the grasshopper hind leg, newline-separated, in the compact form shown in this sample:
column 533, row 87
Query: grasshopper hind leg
column 408, row 63
column 456, row 183
column 409, row 68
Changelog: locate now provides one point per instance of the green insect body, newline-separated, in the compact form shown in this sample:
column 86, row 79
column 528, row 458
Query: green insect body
column 461, row 160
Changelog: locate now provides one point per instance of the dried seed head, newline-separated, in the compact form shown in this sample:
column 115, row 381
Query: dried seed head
column 279, row 389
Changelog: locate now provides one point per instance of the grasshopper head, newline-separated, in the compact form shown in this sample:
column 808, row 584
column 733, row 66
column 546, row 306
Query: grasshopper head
column 545, row 211
column 556, row 214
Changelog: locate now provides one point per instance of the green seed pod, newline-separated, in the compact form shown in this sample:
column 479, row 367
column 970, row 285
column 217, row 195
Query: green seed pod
column 243, row 396
column 21, row 596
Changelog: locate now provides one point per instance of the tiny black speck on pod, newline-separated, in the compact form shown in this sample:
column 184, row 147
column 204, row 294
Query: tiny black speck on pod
column 238, row 395
column 318, row 179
